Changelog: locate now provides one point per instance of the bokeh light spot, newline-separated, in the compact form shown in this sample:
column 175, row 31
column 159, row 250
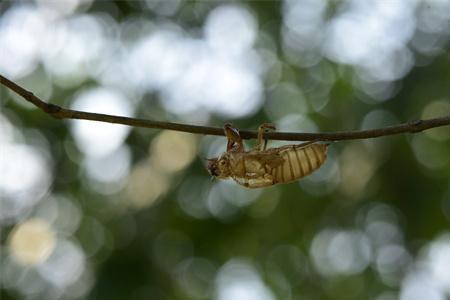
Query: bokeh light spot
column 64, row 51
column 20, row 29
column 357, row 167
column 172, row 151
column 32, row 241
column 438, row 257
column 437, row 109
column 238, row 279
column 220, row 29
column 145, row 185
column 430, row 153
column 65, row 266
column 25, row 178
column 108, row 173
column 97, row 138
column 192, row 196
column 196, row 276
column 284, row 99
column 340, row 252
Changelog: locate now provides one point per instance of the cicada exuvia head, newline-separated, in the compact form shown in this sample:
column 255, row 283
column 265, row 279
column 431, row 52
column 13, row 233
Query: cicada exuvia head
column 219, row 167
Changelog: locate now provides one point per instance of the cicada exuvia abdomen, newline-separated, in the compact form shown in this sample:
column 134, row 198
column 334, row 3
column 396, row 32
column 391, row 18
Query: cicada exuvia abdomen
column 262, row 167
column 299, row 161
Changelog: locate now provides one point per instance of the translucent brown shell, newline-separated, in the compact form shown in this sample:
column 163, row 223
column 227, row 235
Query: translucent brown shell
column 299, row 161
column 262, row 167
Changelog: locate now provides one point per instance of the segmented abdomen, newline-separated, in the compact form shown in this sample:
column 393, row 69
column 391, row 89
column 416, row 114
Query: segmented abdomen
column 299, row 162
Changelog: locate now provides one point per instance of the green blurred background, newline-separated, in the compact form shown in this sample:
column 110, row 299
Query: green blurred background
column 101, row 211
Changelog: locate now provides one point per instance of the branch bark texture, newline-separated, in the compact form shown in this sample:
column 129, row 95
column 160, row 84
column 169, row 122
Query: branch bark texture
column 63, row 113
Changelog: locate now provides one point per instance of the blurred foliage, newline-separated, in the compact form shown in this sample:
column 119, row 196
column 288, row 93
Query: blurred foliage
column 142, row 220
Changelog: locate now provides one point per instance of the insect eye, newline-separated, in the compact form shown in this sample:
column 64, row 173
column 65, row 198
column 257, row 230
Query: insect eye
column 213, row 172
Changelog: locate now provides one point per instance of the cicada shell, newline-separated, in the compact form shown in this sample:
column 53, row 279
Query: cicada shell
column 262, row 167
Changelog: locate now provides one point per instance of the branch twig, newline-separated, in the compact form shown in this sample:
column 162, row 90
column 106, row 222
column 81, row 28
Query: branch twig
column 63, row 113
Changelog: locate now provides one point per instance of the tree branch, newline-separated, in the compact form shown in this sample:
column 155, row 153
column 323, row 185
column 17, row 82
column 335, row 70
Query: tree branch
column 62, row 113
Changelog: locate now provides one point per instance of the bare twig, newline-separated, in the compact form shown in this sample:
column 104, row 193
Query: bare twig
column 63, row 113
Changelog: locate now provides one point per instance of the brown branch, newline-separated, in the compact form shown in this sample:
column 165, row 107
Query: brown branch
column 62, row 113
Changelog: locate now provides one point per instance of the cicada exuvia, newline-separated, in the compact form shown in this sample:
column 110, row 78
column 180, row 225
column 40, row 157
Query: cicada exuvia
column 261, row 167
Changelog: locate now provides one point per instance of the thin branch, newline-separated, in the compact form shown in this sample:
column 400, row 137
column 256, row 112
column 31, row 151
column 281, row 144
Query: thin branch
column 63, row 113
